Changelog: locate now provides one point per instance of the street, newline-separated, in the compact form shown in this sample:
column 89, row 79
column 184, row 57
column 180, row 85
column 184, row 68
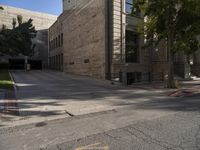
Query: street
column 46, row 95
column 59, row 112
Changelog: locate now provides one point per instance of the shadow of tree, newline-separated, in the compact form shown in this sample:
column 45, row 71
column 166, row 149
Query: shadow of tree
column 56, row 89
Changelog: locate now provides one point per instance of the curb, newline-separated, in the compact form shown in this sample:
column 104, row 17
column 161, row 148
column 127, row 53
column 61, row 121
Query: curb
column 10, row 100
column 3, row 97
column 13, row 82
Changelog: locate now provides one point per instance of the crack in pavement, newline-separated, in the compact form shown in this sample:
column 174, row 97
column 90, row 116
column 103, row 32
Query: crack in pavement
column 197, row 138
column 147, row 138
column 115, row 138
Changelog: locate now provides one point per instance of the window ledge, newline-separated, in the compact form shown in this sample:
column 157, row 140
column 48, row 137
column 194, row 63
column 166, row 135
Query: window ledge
column 129, row 15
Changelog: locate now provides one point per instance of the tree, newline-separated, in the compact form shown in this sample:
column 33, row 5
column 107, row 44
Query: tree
column 19, row 19
column 19, row 39
column 14, row 23
column 177, row 22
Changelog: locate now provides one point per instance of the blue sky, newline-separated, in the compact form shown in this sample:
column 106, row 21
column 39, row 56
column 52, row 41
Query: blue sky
column 47, row 6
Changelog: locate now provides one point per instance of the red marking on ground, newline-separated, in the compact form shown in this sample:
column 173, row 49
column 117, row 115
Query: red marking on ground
column 181, row 93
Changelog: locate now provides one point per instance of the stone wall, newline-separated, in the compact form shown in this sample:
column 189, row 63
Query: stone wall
column 84, row 39
column 195, row 68
column 41, row 21
column 196, row 62
column 56, row 31
column 69, row 4
column 121, row 23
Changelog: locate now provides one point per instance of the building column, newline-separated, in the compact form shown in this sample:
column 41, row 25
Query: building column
column 181, row 66
column 196, row 64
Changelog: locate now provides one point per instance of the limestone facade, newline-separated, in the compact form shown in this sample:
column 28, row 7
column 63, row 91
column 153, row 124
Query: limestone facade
column 195, row 69
column 83, row 28
column 56, row 44
column 96, row 43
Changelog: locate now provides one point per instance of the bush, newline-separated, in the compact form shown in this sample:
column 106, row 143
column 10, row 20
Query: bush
column 4, row 66
column 5, row 80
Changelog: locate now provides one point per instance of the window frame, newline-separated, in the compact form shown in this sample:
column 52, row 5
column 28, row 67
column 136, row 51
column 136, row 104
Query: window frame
column 137, row 47
column 136, row 14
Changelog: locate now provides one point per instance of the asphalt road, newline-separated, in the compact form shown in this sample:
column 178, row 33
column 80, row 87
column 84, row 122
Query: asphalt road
column 175, row 132
column 44, row 95
column 113, row 130
column 104, row 117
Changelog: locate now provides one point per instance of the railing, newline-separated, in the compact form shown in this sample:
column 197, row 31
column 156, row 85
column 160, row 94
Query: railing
column 116, row 77
column 137, row 77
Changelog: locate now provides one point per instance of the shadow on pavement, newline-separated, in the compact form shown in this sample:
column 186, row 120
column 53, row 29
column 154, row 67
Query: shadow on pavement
column 48, row 89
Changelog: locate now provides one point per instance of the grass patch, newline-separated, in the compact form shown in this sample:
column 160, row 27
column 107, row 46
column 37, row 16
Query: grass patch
column 5, row 80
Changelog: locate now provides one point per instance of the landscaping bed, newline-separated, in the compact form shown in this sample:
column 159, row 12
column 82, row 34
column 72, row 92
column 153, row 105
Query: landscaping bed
column 5, row 80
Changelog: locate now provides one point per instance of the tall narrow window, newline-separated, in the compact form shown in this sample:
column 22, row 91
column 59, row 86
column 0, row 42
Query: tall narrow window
column 62, row 39
column 61, row 59
column 59, row 42
column 49, row 45
column 132, row 40
column 56, row 42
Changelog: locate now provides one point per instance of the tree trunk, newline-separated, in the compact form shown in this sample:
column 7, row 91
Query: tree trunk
column 170, row 53
column 170, row 81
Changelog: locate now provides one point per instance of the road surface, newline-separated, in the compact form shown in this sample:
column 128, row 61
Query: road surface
column 87, row 114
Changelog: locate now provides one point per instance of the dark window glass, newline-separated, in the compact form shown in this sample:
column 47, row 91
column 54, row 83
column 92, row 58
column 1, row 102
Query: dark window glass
column 59, row 42
column 132, row 39
column 134, row 77
column 130, row 9
column 71, row 63
column 49, row 45
column 62, row 39
column 56, row 42
column 55, row 60
column 86, row 61
column 61, row 59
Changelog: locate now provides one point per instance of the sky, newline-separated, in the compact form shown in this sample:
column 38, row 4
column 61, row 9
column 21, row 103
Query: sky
column 53, row 7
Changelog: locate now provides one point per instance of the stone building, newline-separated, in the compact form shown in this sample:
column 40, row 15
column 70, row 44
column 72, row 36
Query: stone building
column 56, row 44
column 100, row 40
column 41, row 21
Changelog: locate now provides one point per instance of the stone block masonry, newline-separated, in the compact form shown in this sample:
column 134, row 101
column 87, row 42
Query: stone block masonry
column 84, row 39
